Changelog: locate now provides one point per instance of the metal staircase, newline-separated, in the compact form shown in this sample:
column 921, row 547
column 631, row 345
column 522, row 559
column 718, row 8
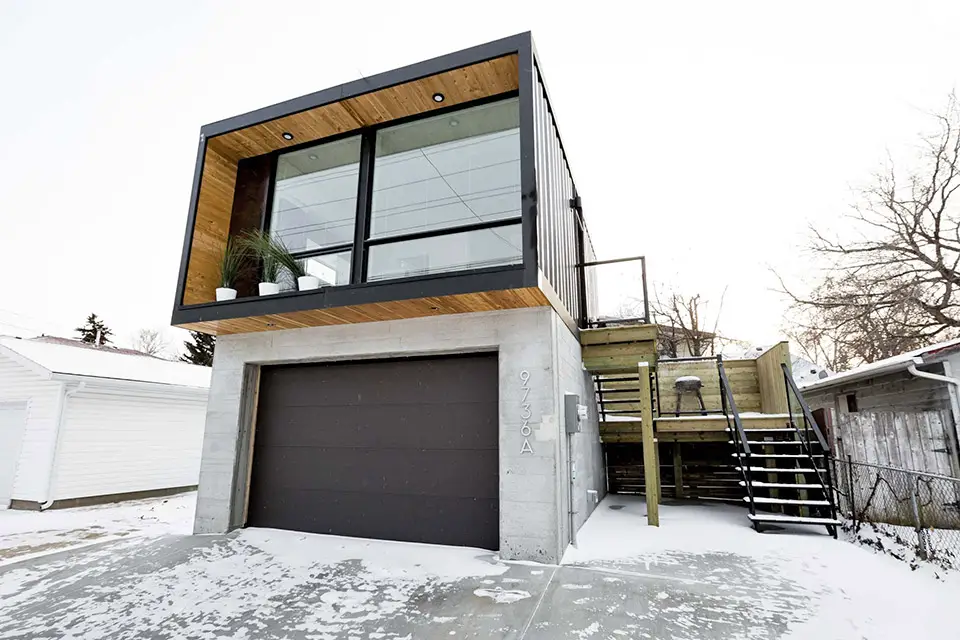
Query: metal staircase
column 785, row 471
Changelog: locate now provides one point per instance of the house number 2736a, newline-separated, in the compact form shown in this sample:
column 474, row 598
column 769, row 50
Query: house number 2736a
column 525, row 412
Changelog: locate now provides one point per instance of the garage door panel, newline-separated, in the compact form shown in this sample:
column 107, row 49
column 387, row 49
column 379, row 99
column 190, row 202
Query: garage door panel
column 390, row 426
column 429, row 473
column 401, row 450
column 411, row 519
column 438, row 381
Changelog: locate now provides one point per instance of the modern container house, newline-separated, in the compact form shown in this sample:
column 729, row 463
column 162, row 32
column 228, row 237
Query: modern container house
column 434, row 387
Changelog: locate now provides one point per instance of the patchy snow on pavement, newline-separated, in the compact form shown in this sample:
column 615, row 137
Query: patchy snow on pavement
column 26, row 534
column 845, row 591
column 255, row 583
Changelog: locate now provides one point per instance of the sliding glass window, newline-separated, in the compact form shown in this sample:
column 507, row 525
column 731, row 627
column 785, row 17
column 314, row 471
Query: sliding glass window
column 446, row 193
column 315, row 206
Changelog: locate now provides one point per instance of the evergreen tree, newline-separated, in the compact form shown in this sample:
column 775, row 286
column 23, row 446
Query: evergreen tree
column 94, row 331
column 200, row 351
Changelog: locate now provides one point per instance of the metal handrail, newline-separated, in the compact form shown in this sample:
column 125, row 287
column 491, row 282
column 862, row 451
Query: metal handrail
column 726, row 397
column 810, row 424
column 807, row 415
column 741, row 442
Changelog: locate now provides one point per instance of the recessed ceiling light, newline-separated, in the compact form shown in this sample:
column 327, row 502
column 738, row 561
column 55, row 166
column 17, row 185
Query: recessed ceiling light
column 312, row 156
column 287, row 135
column 454, row 122
column 438, row 97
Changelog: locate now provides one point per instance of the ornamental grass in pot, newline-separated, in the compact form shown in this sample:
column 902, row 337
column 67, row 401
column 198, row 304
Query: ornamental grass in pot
column 232, row 265
column 265, row 247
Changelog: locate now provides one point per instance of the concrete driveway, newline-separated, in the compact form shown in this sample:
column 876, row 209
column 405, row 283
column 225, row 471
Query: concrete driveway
column 703, row 574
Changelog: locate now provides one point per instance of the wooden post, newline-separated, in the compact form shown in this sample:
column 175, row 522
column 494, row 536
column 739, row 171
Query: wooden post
column 677, row 471
column 651, row 469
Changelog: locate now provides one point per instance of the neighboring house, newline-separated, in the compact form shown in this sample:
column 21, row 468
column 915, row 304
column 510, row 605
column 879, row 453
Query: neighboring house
column 81, row 424
column 802, row 369
column 419, row 394
column 900, row 411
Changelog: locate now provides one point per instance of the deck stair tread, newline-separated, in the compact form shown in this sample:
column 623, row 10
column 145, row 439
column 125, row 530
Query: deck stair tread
column 811, row 503
column 779, row 517
column 767, row 443
column 776, row 470
column 781, row 485
column 797, row 456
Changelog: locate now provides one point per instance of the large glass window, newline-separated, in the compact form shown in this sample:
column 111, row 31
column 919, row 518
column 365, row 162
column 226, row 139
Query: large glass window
column 448, row 252
column 315, row 196
column 448, row 171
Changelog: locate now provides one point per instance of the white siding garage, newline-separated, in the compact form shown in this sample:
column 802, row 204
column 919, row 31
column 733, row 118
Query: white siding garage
column 81, row 425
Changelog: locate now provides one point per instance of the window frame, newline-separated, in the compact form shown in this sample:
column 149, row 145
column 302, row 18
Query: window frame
column 362, row 221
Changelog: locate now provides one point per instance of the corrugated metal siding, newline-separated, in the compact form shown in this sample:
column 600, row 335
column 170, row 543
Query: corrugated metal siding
column 556, row 221
column 20, row 384
column 122, row 443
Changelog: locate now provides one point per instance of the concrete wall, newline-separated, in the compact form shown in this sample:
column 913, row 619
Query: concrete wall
column 533, row 514
column 582, row 449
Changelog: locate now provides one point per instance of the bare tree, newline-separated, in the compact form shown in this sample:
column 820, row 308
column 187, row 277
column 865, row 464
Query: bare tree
column 685, row 327
column 151, row 342
column 895, row 286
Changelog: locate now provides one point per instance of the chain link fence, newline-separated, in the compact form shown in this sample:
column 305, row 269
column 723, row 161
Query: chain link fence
column 904, row 513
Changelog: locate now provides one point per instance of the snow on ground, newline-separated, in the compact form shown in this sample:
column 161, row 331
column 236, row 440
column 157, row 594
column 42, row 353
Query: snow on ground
column 901, row 543
column 255, row 583
column 25, row 534
column 853, row 592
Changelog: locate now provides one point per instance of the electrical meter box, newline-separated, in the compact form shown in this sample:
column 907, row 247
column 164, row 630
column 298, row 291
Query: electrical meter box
column 574, row 413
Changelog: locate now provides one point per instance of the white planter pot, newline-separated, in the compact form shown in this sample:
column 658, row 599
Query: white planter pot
column 305, row 283
column 269, row 288
column 226, row 293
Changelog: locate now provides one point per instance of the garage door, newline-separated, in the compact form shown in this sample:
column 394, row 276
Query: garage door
column 398, row 450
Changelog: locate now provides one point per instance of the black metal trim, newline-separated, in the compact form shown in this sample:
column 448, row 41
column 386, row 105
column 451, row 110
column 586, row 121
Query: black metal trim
column 426, row 286
column 444, row 231
column 463, row 58
column 528, row 163
column 361, row 223
column 191, row 224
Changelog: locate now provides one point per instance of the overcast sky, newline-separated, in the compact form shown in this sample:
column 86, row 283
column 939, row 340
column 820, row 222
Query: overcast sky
column 705, row 135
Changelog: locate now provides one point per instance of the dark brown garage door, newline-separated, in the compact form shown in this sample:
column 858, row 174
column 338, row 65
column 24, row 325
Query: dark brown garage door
column 399, row 450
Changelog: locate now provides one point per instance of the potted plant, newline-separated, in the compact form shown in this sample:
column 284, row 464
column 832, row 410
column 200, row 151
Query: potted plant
column 264, row 247
column 231, row 266
column 296, row 268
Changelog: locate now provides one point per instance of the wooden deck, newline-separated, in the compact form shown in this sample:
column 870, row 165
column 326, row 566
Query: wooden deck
column 709, row 428
column 639, row 425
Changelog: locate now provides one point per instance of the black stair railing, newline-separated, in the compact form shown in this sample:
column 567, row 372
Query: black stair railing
column 819, row 443
column 738, row 435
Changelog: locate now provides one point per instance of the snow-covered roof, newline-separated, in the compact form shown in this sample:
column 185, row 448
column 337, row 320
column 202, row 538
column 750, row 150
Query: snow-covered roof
column 887, row 365
column 71, row 359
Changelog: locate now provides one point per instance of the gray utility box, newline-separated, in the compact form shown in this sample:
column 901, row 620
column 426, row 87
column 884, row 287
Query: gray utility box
column 574, row 413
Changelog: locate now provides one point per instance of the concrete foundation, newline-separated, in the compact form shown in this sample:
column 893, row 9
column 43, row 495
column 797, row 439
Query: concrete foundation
column 539, row 360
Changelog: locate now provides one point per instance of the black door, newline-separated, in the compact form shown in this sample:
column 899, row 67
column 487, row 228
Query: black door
column 399, row 450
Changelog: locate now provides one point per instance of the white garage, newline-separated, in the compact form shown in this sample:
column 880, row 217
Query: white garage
column 83, row 425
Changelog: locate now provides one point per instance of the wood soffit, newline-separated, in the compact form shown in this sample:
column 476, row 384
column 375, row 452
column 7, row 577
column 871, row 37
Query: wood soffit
column 462, row 85
column 378, row 311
